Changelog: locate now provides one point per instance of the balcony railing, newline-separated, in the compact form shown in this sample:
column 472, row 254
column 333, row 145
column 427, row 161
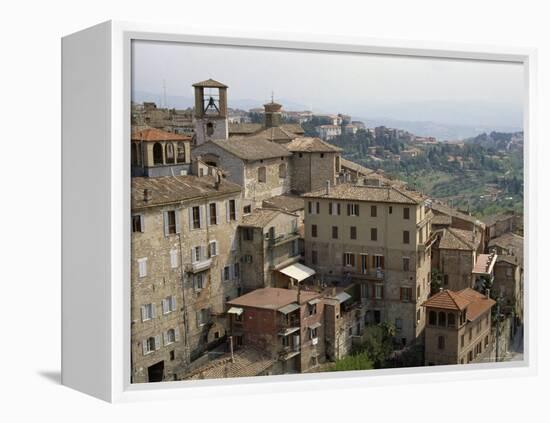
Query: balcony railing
column 199, row 266
column 372, row 274
column 281, row 239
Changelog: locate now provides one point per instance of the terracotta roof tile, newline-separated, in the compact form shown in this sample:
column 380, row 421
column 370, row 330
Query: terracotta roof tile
column 272, row 298
column 248, row 148
column 386, row 194
column 310, row 145
column 154, row 134
column 209, row 83
column 467, row 299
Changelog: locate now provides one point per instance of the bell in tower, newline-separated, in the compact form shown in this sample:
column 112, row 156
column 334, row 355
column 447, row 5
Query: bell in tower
column 210, row 111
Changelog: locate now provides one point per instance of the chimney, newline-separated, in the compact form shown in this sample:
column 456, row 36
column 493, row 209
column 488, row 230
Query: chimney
column 147, row 195
column 218, row 181
column 440, row 289
column 328, row 187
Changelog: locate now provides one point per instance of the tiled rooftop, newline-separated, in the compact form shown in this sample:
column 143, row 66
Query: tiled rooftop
column 272, row 298
column 375, row 194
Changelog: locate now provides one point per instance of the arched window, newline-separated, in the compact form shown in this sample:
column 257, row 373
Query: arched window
column 442, row 318
column 282, row 170
column 432, row 319
column 151, row 344
column 133, row 154
column 157, row 154
column 209, row 128
column 170, row 336
column 170, row 157
column 262, row 174
column 181, row 152
column 451, row 319
column 337, row 164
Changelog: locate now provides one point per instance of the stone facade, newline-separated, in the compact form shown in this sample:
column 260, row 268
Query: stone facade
column 394, row 275
column 184, row 268
column 311, row 171
column 508, row 282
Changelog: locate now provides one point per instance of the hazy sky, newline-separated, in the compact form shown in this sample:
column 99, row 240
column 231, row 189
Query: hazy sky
column 360, row 85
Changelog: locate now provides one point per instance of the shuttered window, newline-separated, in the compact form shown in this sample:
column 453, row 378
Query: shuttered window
column 142, row 267
column 173, row 258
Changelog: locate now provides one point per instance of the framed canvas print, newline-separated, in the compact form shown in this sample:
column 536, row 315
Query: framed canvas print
column 271, row 211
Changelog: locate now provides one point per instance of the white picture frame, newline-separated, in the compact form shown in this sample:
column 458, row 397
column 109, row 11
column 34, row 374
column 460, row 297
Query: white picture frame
column 96, row 67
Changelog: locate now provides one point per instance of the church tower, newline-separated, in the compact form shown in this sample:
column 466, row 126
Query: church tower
column 210, row 111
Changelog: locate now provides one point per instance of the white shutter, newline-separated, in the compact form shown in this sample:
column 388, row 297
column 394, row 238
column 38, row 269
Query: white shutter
column 217, row 213
column 177, row 218
column 173, row 303
column 165, row 338
column 201, row 216
column 236, row 211
column 208, row 214
column 203, row 252
column 157, row 342
column 154, row 310
column 142, row 222
column 143, row 315
column 174, row 258
column 190, row 210
column 227, row 211
column 193, row 260
column 176, row 334
column 164, row 306
column 144, row 345
column 165, row 221
column 198, row 317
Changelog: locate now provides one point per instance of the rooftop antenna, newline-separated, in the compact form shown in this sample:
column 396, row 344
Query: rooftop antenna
column 164, row 94
column 272, row 97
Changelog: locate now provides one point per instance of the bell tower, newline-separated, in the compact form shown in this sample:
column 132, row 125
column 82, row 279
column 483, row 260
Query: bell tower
column 210, row 111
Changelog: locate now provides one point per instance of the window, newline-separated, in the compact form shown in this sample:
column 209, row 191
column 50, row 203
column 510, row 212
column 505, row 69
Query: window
column 213, row 210
column 470, row 356
column 312, row 309
column 262, row 177
column 470, row 334
column 282, row 170
column 322, row 155
column 142, row 267
column 364, row 263
column 168, row 304
column 150, row 345
column 158, row 154
column 335, row 232
column 226, row 273
column 312, row 333
column 197, row 256
column 181, row 152
column 196, row 217
column 209, row 129
column 373, row 234
column 378, row 261
column 406, row 264
column 406, row 213
column 137, row 223
column 330, row 208
column 418, row 315
column 247, row 258
column 174, row 258
column 199, row 281
column 451, row 320
column 170, row 226
column 353, row 209
column 441, row 342
column 442, row 321
column 148, row 312
column 418, row 292
column 314, row 257
column 353, row 232
column 232, row 210
column 247, row 209
column 170, row 157
column 406, row 236
column 248, row 234
column 373, row 211
column 317, row 207
column 462, row 341
column 349, row 259
column 378, row 291
column 203, row 316
column 398, row 324
column 406, row 294
column 377, row 316
column 213, row 248
column 169, row 337
column 390, row 210
column 314, row 231
column 486, row 342
column 432, row 318
column 236, row 270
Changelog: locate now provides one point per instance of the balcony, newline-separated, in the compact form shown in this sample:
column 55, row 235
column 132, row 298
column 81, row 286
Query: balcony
column 428, row 243
column 282, row 239
column 199, row 266
column 289, row 351
column 370, row 274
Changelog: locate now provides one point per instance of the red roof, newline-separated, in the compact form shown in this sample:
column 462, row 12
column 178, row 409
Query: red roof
column 153, row 134
column 474, row 302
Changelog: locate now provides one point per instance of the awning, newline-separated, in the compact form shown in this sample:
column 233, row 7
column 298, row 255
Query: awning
column 315, row 325
column 289, row 331
column 298, row 271
column 314, row 301
column 342, row 296
column 289, row 308
column 235, row 310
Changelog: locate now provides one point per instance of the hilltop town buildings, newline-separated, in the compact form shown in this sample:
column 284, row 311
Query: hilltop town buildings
column 257, row 250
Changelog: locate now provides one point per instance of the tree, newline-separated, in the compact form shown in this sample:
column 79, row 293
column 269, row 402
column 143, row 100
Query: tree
column 437, row 281
column 377, row 343
column 353, row 362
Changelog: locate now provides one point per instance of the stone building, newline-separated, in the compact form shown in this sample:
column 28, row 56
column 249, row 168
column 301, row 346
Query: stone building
column 184, row 268
column 261, row 167
column 159, row 153
column 328, row 132
column 508, row 283
column 500, row 224
column 287, row 324
column 445, row 216
column 454, row 254
column 508, row 244
column 268, row 244
column 379, row 237
column 313, row 163
column 210, row 111
column 458, row 328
